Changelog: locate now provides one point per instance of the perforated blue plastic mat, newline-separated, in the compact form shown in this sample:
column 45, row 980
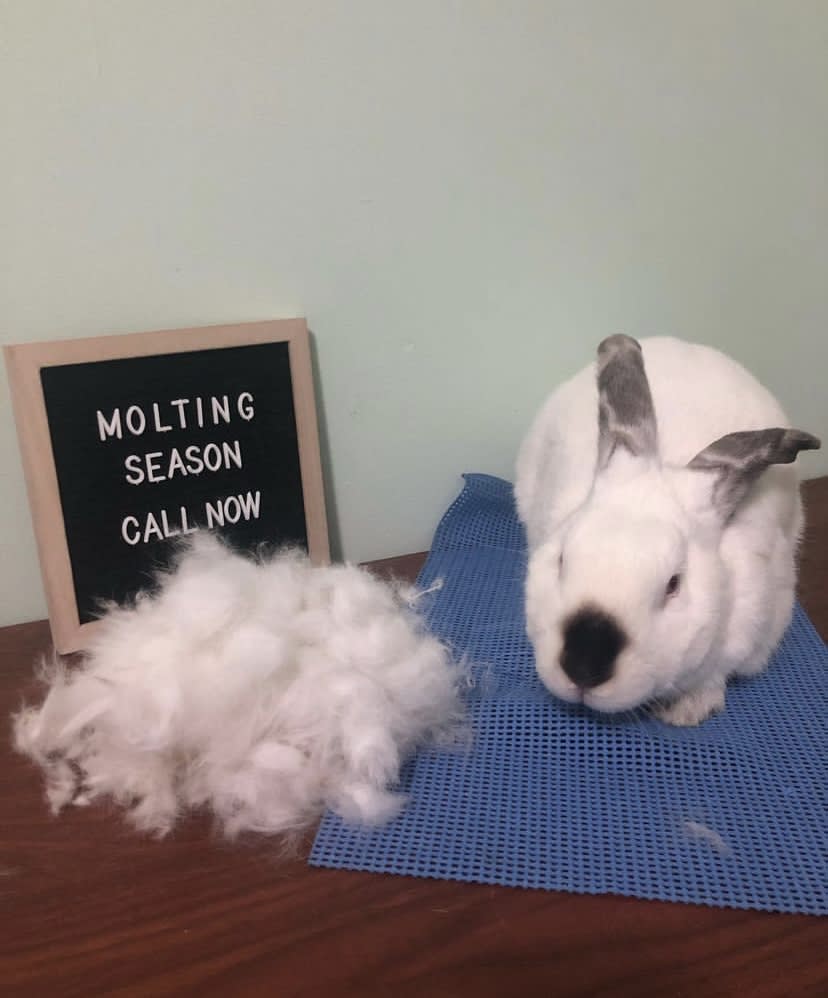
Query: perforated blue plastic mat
column 732, row 813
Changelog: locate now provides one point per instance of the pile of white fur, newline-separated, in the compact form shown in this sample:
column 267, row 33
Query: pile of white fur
column 264, row 690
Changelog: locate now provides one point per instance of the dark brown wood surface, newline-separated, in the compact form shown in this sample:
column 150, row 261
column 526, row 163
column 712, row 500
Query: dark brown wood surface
column 89, row 908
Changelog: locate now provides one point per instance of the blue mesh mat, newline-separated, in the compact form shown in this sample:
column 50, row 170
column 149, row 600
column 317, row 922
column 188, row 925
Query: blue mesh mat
column 732, row 813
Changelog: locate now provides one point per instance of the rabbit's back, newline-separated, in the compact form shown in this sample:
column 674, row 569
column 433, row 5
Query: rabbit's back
column 699, row 394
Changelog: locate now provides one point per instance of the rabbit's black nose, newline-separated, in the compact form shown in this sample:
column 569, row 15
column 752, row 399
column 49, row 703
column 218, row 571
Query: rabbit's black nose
column 592, row 642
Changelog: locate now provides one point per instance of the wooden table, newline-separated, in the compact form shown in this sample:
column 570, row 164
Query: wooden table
column 88, row 908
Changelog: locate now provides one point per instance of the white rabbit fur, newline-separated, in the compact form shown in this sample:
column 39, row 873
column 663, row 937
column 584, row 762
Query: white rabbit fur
column 263, row 690
column 614, row 538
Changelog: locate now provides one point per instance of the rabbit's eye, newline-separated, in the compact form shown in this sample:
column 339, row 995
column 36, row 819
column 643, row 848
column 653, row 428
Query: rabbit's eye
column 673, row 585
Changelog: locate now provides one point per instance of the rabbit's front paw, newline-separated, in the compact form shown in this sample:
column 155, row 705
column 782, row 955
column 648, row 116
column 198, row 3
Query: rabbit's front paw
column 694, row 707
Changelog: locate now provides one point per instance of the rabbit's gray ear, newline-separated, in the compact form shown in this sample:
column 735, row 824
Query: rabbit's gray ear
column 626, row 417
column 738, row 459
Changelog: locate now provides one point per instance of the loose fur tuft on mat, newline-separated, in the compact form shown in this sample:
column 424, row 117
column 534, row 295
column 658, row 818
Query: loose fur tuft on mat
column 263, row 690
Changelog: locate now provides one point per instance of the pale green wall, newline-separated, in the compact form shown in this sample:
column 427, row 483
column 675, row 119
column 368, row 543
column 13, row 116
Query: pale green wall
column 462, row 198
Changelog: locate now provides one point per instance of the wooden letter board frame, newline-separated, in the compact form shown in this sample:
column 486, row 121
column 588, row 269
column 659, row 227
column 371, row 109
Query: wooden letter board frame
column 24, row 363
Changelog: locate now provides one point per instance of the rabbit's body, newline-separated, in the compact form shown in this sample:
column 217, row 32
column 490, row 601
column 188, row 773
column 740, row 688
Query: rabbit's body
column 636, row 518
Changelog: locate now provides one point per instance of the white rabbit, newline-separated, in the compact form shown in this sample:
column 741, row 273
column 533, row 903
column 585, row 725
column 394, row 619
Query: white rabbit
column 660, row 563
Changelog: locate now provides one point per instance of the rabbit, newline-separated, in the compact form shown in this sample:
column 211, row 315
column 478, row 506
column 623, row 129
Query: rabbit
column 662, row 517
